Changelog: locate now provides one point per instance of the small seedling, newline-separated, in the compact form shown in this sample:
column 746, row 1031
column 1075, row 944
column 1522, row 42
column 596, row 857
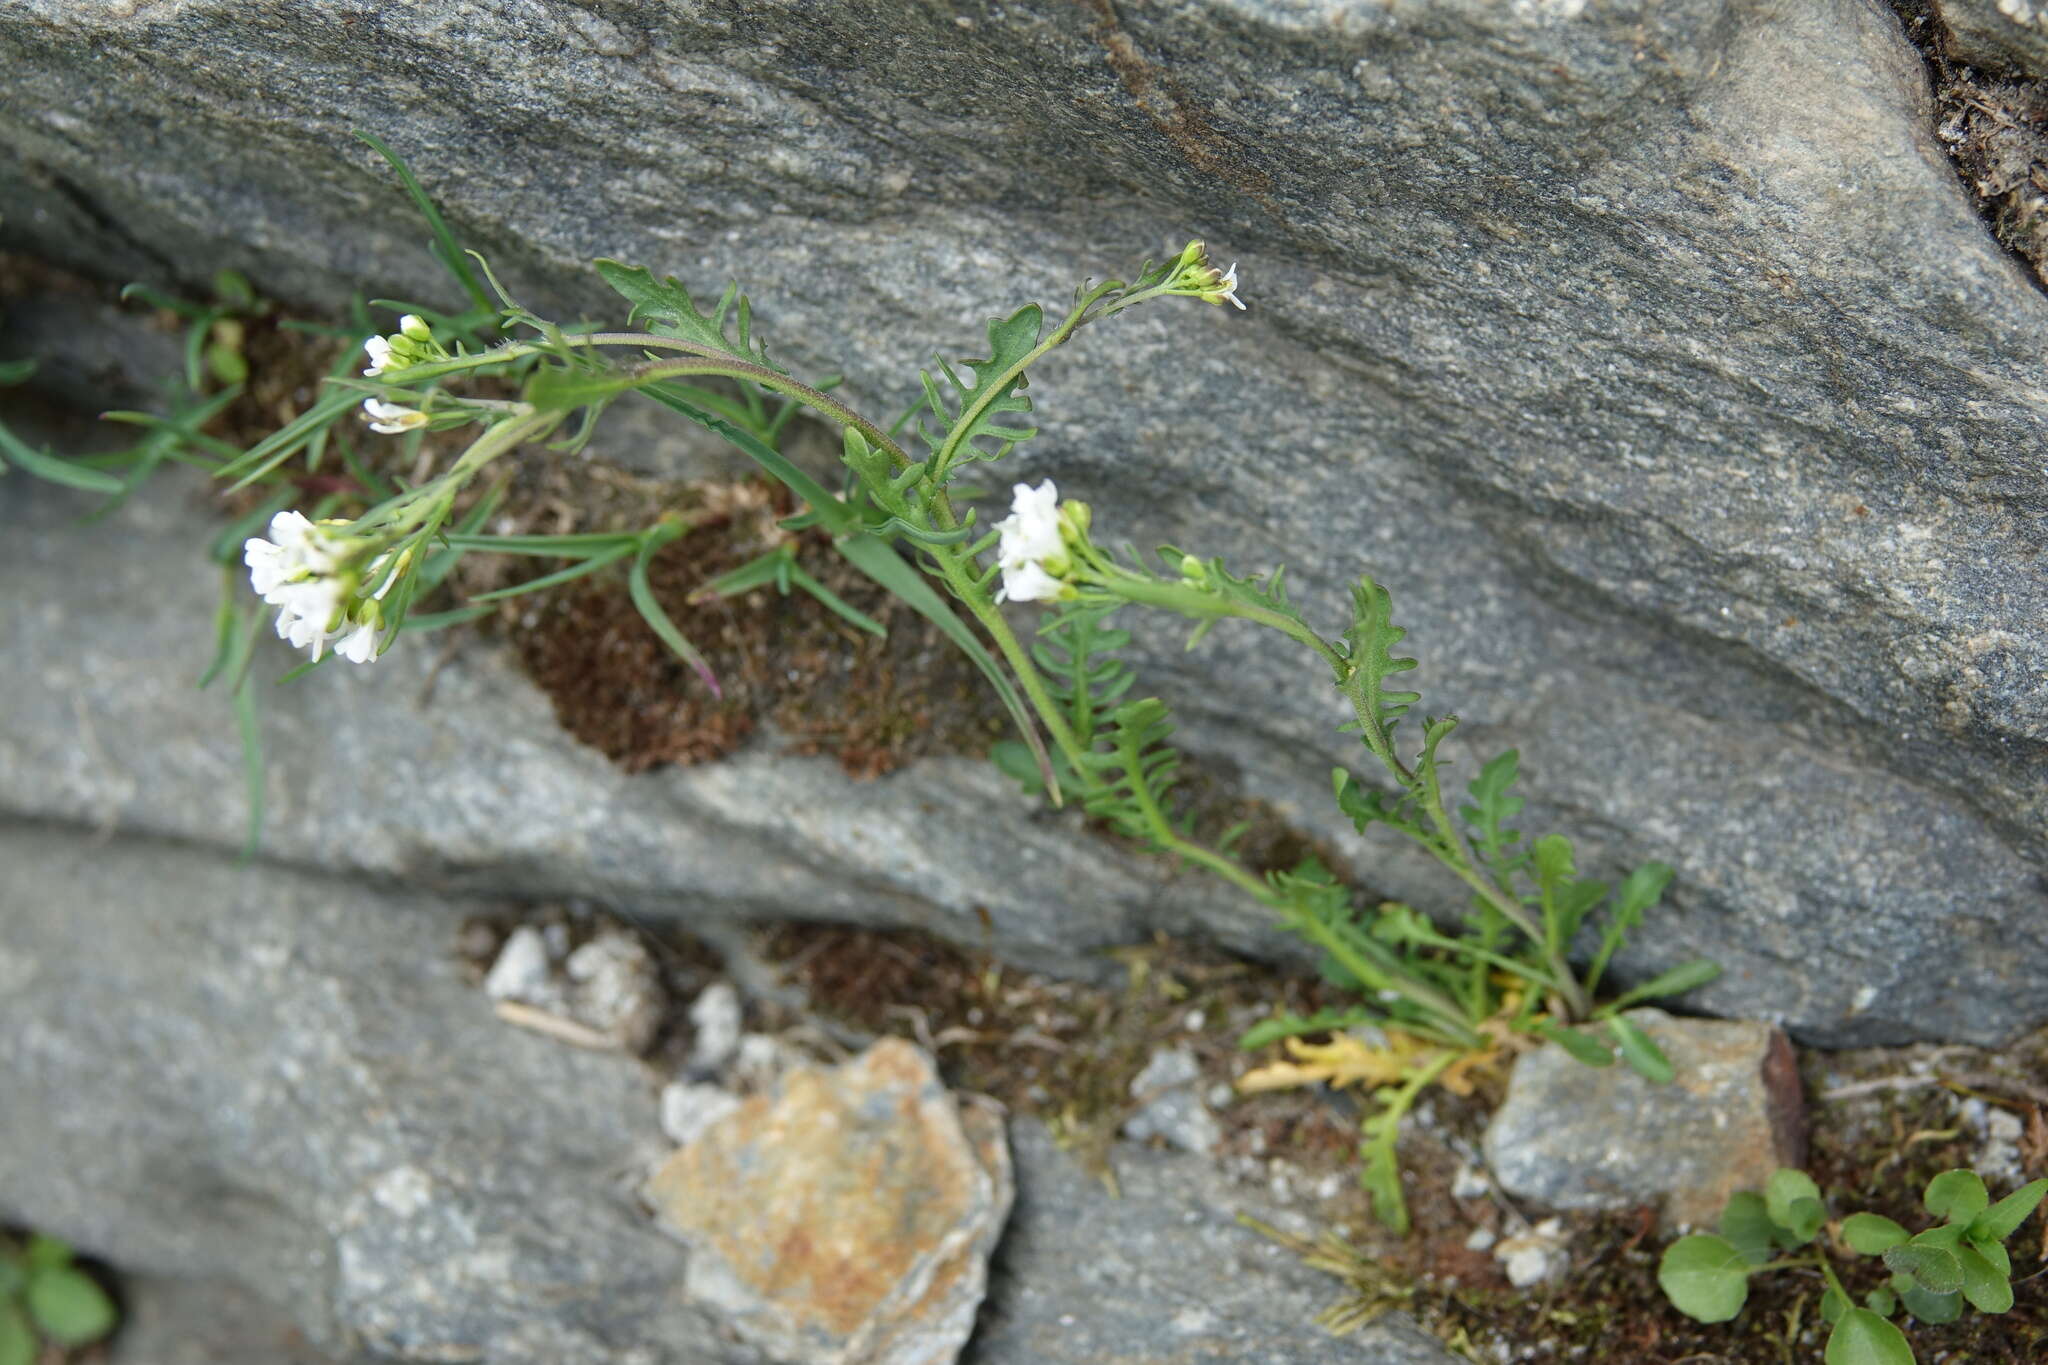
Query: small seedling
column 1961, row 1260
column 46, row 1300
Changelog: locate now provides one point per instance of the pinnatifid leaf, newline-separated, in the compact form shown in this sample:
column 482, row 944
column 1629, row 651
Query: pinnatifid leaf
column 973, row 420
column 664, row 307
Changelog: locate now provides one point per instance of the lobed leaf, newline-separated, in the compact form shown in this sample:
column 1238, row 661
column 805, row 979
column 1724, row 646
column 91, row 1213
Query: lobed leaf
column 665, row 308
column 966, row 413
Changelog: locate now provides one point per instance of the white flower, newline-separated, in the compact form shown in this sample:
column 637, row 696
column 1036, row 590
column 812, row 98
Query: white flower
column 359, row 646
column 1032, row 530
column 1225, row 288
column 379, row 351
column 392, row 418
column 1032, row 551
column 1029, row 583
column 301, row 570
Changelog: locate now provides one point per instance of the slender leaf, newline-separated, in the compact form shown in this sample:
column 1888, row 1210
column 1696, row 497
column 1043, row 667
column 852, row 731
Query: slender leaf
column 447, row 250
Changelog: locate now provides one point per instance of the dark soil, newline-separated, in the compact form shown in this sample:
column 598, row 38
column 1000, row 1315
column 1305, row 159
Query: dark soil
column 1995, row 125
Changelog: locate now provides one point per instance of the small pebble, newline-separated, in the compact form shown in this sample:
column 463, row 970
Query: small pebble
column 522, row 969
column 715, row 1015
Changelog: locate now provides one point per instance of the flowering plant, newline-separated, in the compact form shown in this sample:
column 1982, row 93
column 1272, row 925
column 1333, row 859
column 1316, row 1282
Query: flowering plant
column 1438, row 998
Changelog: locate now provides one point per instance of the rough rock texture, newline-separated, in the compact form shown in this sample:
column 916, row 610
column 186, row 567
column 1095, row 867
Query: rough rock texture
column 848, row 1215
column 1570, row 1136
column 269, row 1096
column 2001, row 35
column 1650, row 351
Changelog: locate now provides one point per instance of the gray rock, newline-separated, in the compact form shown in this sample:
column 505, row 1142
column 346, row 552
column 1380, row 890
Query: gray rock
column 268, row 1099
column 246, row 1074
column 1163, row 1271
column 1652, row 353
column 1570, row 1136
column 689, row 1108
column 179, row 1321
column 1169, row 1107
column 2000, row 35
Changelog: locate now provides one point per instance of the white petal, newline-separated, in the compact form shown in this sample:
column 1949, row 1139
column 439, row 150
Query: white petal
column 1030, row 583
column 379, row 351
column 359, row 646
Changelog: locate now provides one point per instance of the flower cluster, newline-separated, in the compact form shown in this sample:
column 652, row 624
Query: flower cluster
column 1032, row 552
column 412, row 344
column 305, row 570
column 1195, row 277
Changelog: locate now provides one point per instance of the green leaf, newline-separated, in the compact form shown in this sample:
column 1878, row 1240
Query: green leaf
column 1640, row 1051
column 873, row 557
column 52, row 468
column 1583, row 1047
column 68, row 1307
column 1984, row 1285
column 1371, row 661
column 1746, row 1223
column 1130, row 785
column 1994, row 1252
column 642, row 593
column 1881, row 1301
column 447, row 250
column 46, row 1253
column 1833, row 1305
column 1076, row 648
column 16, row 371
column 665, row 308
column 1705, row 1277
column 1957, row 1196
column 966, row 413
column 1684, row 977
column 17, row 1338
column 1795, row 1204
column 1871, row 1234
column 2001, row 1219
column 1929, row 1306
column 1861, row 1337
column 1935, row 1269
column 1493, row 806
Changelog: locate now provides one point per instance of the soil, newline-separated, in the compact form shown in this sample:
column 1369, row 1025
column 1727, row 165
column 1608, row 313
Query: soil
column 1995, row 126
column 1067, row 1053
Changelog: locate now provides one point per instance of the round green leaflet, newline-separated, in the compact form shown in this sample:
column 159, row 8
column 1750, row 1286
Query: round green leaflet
column 1705, row 1277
